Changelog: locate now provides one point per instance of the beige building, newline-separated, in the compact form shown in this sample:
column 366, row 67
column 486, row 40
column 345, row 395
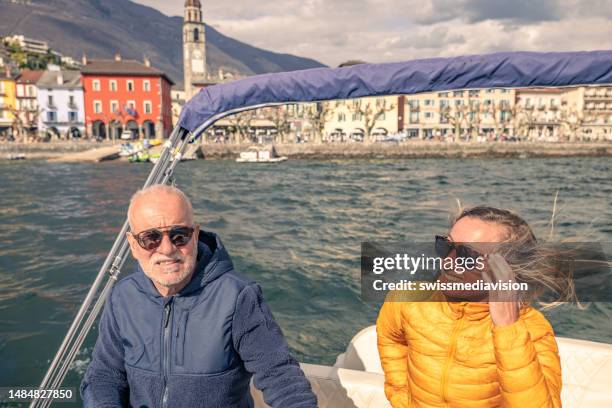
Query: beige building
column 355, row 119
column 458, row 113
column 573, row 113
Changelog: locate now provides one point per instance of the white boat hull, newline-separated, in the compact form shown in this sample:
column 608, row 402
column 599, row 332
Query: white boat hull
column 270, row 160
column 357, row 379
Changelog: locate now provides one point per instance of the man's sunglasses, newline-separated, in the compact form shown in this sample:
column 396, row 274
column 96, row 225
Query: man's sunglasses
column 150, row 239
column 444, row 246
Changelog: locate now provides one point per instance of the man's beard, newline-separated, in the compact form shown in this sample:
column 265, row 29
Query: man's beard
column 173, row 279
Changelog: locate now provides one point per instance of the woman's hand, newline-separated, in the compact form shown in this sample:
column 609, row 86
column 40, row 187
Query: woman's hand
column 503, row 305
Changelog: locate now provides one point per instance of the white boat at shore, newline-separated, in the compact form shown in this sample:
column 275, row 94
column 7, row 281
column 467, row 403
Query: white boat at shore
column 260, row 155
column 356, row 380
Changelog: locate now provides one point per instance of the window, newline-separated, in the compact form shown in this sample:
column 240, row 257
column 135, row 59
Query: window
column 72, row 116
column 414, row 117
column 474, row 92
column 490, row 90
column 114, row 107
column 382, row 116
column 428, row 102
column 30, row 90
column 458, row 93
column 50, row 100
column 443, row 94
column 196, row 35
column 130, row 85
column 428, row 115
column 96, row 84
column 146, row 85
column 413, row 103
column 341, row 117
column 71, row 100
column 97, row 107
column 51, row 116
column 131, row 104
column 148, row 108
column 443, row 103
column 458, row 102
column 112, row 85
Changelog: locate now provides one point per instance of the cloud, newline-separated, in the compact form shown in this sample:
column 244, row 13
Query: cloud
column 392, row 30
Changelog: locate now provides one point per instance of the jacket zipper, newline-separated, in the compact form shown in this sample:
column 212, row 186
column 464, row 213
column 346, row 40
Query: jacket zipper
column 166, row 350
column 451, row 353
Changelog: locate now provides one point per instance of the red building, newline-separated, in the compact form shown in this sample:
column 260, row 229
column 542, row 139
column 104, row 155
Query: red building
column 126, row 95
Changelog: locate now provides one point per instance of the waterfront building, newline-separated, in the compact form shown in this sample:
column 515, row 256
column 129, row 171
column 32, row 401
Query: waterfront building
column 27, row 109
column 7, row 102
column 596, row 120
column 61, row 104
column 458, row 114
column 358, row 119
column 126, row 95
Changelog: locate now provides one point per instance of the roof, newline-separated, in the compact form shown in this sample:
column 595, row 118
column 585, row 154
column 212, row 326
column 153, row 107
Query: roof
column 70, row 79
column 192, row 3
column 500, row 70
column 541, row 90
column 122, row 67
column 28, row 76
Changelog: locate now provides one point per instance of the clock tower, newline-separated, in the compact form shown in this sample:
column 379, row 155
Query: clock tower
column 194, row 47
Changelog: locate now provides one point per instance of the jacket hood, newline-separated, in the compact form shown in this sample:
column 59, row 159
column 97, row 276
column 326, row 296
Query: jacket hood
column 212, row 261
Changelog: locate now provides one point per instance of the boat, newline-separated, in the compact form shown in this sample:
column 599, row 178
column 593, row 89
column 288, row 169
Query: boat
column 356, row 379
column 260, row 155
column 16, row 156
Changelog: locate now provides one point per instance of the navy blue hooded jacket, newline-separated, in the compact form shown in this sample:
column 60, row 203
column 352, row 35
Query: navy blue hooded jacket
column 197, row 348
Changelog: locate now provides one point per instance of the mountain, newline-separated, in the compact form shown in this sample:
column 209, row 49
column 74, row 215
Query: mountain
column 101, row 28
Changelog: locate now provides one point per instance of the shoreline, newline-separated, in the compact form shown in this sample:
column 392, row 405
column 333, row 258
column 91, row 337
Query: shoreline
column 333, row 151
column 420, row 150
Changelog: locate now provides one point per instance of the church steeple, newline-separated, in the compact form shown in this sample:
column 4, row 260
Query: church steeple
column 194, row 47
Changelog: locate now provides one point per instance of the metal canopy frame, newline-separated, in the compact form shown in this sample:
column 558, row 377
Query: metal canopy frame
column 318, row 85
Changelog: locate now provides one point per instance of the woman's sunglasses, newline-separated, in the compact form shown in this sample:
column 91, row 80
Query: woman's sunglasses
column 444, row 246
column 150, row 239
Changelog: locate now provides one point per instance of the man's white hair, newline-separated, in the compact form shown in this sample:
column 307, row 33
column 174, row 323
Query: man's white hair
column 157, row 189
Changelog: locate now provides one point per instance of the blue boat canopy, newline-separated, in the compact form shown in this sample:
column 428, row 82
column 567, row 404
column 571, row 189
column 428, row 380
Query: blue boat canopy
column 500, row 70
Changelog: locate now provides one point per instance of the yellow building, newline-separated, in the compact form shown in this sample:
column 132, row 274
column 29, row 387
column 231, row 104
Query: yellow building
column 8, row 102
column 356, row 119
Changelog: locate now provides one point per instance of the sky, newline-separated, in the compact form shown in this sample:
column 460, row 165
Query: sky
column 335, row 31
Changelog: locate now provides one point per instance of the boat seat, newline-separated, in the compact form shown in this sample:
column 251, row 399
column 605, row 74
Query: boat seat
column 356, row 380
column 340, row 388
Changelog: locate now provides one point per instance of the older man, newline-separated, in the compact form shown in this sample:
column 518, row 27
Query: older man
column 185, row 330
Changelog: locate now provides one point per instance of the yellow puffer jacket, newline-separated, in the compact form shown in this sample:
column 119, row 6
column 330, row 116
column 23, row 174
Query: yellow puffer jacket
column 442, row 354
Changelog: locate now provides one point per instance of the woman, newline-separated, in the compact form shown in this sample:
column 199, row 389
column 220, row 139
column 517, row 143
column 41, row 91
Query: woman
column 474, row 348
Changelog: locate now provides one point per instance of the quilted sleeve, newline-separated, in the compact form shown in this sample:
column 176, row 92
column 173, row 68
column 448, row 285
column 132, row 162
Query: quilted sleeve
column 528, row 365
column 393, row 351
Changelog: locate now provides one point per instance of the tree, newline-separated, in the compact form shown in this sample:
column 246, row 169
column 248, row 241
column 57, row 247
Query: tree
column 279, row 116
column 318, row 115
column 370, row 113
column 455, row 115
column 25, row 123
column 240, row 125
column 572, row 120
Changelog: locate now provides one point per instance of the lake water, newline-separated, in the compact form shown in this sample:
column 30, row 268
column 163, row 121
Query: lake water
column 295, row 227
